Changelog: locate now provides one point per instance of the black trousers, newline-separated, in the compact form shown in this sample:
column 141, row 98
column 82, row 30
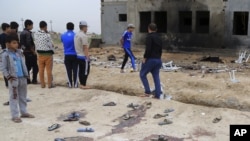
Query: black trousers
column 6, row 82
column 84, row 68
column 31, row 63
column 71, row 65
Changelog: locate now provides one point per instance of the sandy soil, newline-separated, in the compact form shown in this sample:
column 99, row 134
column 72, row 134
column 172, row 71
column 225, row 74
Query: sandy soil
column 191, row 121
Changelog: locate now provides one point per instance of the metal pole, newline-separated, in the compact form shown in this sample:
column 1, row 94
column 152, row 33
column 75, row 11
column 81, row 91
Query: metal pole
column 51, row 26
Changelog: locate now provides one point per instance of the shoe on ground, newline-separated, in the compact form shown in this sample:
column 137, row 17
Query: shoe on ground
column 6, row 103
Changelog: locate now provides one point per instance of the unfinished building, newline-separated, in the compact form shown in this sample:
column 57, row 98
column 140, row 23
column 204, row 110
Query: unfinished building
column 182, row 23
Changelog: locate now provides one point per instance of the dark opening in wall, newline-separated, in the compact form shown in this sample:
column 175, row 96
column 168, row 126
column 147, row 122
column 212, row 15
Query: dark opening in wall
column 202, row 21
column 240, row 23
column 122, row 17
column 185, row 21
column 161, row 21
column 145, row 20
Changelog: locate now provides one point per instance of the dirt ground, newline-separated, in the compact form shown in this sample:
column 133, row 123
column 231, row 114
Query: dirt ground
column 197, row 99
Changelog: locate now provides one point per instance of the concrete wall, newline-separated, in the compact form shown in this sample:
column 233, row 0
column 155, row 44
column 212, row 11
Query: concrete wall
column 112, row 29
column 220, row 25
column 172, row 7
column 236, row 41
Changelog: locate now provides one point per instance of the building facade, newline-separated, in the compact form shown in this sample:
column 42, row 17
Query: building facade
column 182, row 23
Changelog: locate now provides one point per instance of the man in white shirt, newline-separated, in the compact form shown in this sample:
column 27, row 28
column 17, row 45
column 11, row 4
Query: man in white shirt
column 82, row 49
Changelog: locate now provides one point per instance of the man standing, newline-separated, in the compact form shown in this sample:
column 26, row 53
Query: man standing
column 126, row 44
column 6, row 30
column 82, row 50
column 45, row 50
column 14, row 26
column 152, row 61
column 70, row 58
column 28, row 45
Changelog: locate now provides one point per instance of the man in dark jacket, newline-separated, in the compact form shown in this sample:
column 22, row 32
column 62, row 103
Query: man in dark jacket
column 28, row 45
column 152, row 61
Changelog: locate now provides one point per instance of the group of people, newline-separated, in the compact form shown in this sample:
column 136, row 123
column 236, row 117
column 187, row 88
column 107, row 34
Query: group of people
column 22, row 54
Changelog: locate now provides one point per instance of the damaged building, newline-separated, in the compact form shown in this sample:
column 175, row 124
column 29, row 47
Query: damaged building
column 182, row 23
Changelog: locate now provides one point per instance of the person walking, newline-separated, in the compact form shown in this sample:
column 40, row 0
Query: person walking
column 152, row 61
column 70, row 57
column 14, row 69
column 126, row 44
column 45, row 51
column 28, row 46
column 82, row 49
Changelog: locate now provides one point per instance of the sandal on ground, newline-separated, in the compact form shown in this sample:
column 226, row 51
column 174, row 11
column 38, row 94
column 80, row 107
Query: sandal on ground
column 6, row 103
column 148, row 105
column 156, row 116
column 59, row 139
column 169, row 110
column 71, row 119
column 17, row 120
column 165, row 122
column 85, row 130
column 110, row 104
column 53, row 127
column 217, row 119
column 86, row 123
column 27, row 115
column 127, row 117
column 133, row 106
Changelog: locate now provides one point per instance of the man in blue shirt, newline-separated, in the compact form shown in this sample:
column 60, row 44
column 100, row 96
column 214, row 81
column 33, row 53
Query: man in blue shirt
column 70, row 59
column 126, row 44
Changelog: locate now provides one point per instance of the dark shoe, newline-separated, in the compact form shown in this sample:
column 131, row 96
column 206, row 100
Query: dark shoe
column 34, row 82
column 27, row 115
column 53, row 127
column 28, row 81
column 6, row 103
column 52, row 86
column 110, row 104
column 86, row 123
column 16, row 120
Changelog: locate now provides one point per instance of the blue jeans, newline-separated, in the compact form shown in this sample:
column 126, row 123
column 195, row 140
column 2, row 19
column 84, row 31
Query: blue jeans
column 153, row 66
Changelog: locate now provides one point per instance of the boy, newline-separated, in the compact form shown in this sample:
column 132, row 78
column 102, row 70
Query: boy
column 82, row 50
column 126, row 44
column 70, row 58
column 6, row 30
column 14, row 26
column 45, row 50
column 28, row 46
column 14, row 69
column 152, row 61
